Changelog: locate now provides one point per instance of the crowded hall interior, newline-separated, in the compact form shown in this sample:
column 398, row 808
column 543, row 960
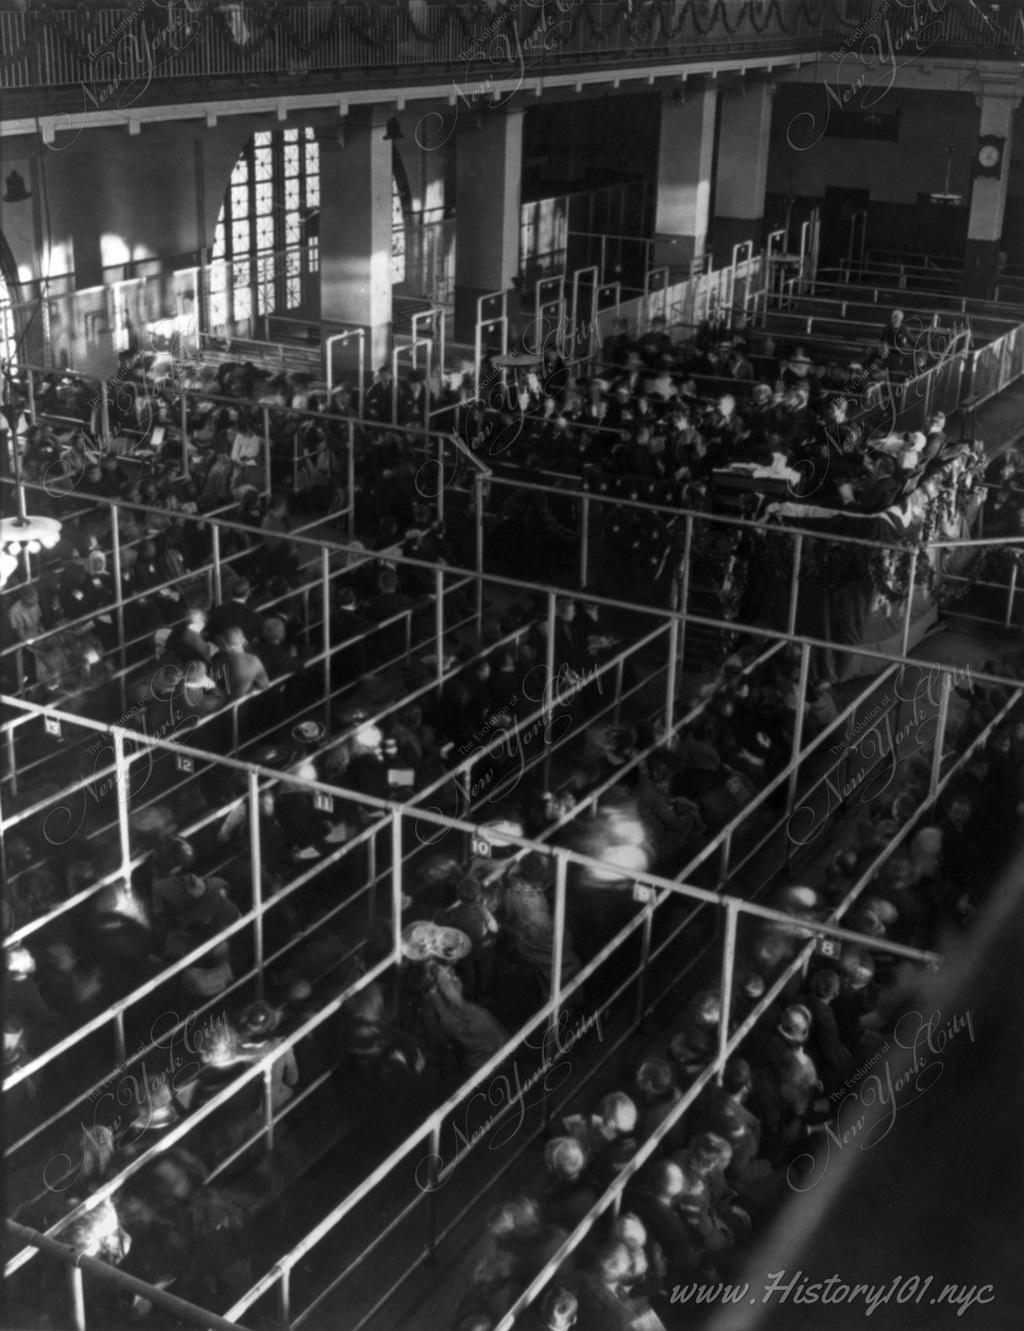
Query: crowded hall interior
column 512, row 721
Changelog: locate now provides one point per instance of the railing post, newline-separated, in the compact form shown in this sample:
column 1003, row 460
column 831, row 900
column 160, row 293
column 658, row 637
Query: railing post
column 284, row 1299
column 183, row 425
column 683, row 595
column 478, row 508
column 268, row 1108
column 439, row 627
column 798, row 724
column 77, row 1298
column 585, row 540
column 12, row 758
column 325, row 611
column 942, row 719
column 670, row 679
column 371, row 869
column 218, row 586
column 350, row 462
column 794, row 583
column 558, row 939
column 266, row 451
column 724, row 859
column 1011, row 595
column 122, row 772
column 728, row 966
column 120, row 1045
column 645, row 955
column 431, row 1203
column 105, row 414
column 396, row 884
column 440, row 474
column 115, row 550
column 256, row 870
column 549, row 658
column 905, row 637
column 32, row 415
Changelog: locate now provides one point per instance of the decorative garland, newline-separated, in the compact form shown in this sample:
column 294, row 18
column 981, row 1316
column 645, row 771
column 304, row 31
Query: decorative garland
column 379, row 26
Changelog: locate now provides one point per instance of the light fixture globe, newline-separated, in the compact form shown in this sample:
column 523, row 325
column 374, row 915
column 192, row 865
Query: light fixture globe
column 24, row 533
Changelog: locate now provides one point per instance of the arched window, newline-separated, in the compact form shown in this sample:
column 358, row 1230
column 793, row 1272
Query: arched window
column 8, row 323
column 266, row 242
column 401, row 207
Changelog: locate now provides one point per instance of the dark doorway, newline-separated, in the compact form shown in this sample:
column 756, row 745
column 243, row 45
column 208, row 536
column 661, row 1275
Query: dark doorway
column 941, row 227
column 837, row 211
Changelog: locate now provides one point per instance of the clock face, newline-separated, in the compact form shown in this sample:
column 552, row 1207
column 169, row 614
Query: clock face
column 988, row 155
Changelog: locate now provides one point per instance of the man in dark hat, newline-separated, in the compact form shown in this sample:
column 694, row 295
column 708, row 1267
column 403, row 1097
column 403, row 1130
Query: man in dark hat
column 378, row 405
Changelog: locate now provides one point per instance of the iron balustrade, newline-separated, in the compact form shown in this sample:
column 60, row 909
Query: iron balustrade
column 67, row 49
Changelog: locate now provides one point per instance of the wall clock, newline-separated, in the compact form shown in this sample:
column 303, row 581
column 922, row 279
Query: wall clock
column 988, row 155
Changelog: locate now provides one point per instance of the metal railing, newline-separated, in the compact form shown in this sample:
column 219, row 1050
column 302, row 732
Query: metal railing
column 430, row 816
column 730, row 1040
column 79, row 1264
column 68, row 48
column 437, row 478
column 430, row 1129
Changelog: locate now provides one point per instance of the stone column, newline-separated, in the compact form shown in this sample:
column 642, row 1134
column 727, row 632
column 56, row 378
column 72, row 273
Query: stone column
column 998, row 100
column 489, row 163
column 684, row 177
column 741, row 172
column 355, row 227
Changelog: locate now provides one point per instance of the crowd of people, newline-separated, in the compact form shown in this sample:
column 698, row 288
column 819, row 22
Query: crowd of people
column 721, row 1173
column 723, row 1168
column 191, row 656
column 653, row 421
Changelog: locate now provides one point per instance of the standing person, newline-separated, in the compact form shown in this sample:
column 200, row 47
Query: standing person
column 894, row 343
column 278, row 552
column 470, row 1027
column 235, row 612
column 49, row 657
column 235, row 670
column 379, row 405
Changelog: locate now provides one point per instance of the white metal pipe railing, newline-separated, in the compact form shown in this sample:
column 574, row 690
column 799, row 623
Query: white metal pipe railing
column 79, row 1262
column 316, row 547
column 764, row 912
column 723, row 837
